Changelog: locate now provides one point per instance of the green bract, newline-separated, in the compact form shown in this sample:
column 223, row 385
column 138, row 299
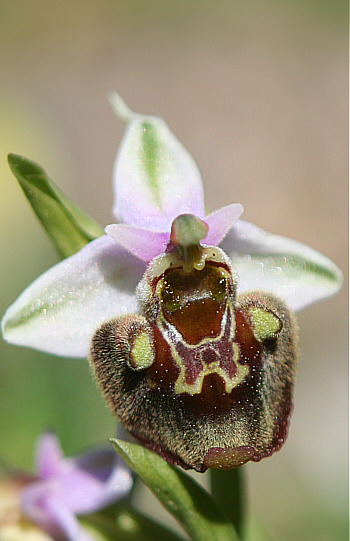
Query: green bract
column 191, row 505
column 67, row 225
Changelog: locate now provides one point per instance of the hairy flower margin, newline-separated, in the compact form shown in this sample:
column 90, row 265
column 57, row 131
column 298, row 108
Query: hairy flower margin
column 155, row 180
column 60, row 490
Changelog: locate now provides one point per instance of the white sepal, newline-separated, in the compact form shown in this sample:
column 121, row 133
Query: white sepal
column 59, row 312
column 155, row 178
column 287, row 268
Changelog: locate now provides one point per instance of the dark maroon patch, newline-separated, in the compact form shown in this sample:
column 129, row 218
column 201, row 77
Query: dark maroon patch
column 194, row 303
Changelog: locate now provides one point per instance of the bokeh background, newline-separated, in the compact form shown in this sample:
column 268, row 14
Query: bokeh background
column 257, row 92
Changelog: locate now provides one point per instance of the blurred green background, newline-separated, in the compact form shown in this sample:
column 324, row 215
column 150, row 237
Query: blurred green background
column 257, row 92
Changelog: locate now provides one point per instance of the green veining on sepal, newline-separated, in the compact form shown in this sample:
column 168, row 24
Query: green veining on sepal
column 68, row 227
column 294, row 263
column 302, row 265
column 183, row 498
column 150, row 158
column 33, row 310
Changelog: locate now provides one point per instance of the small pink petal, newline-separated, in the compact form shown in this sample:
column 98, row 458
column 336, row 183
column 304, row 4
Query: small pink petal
column 221, row 221
column 142, row 243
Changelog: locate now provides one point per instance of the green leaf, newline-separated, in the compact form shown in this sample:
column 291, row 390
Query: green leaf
column 227, row 488
column 181, row 496
column 125, row 524
column 68, row 226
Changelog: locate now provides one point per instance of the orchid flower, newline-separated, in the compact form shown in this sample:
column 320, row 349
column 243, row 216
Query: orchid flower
column 64, row 488
column 155, row 180
column 125, row 275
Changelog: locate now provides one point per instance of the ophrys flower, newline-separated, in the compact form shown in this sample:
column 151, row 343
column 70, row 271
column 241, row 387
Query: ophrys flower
column 197, row 347
column 63, row 489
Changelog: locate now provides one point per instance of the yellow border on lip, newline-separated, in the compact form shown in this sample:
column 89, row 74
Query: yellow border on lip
column 213, row 368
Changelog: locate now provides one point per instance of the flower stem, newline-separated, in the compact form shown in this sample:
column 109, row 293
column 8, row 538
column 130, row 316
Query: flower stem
column 227, row 488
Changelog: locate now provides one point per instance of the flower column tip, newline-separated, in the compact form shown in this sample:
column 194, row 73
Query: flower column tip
column 187, row 231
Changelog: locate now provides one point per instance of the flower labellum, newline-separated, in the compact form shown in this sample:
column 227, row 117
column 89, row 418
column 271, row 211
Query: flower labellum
column 187, row 318
column 202, row 377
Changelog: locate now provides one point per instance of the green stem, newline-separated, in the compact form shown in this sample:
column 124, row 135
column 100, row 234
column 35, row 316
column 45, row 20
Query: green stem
column 227, row 488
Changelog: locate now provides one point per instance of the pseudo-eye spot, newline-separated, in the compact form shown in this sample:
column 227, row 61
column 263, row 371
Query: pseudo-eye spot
column 201, row 377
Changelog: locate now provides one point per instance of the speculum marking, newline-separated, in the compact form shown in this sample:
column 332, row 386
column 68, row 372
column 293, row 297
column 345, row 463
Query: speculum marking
column 218, row 355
